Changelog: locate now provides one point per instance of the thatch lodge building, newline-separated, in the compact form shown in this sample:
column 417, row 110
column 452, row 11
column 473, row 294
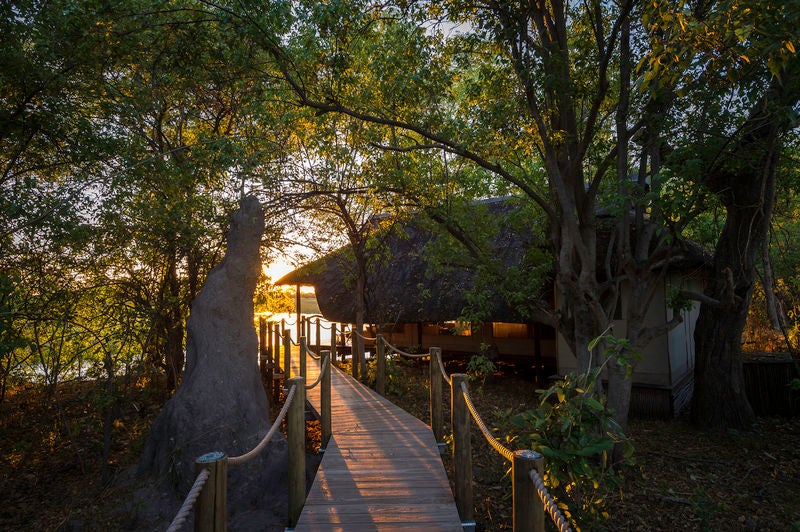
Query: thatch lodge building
column 417, row 303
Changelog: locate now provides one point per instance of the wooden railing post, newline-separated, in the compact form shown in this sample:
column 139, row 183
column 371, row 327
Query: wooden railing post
column 276, row 346
column 270, row 374
column 527, row 508
column 325, row 397
column 303, row 356
column 210, row 512
column 262, row 349
column 317, row 337
column 380, row 367
column 333, row 342
column 462, row 448
column 287, row 354
column 296, row 434
column 276, row 361
column 355, row 352
column 437, row 408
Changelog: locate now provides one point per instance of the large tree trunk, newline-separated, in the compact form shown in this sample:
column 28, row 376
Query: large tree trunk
column 720, row 400
column 743, row 177
column 221, row 404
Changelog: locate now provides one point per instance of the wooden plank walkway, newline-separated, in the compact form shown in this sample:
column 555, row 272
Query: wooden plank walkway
column 381, row 469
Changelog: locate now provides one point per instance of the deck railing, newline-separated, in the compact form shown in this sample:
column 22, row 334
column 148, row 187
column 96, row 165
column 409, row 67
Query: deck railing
column 208, row 495
column 527, row 466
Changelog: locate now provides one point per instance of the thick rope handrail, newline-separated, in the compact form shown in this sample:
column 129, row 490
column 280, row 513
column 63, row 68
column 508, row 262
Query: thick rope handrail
column 321, row 373
column 439, row 362
column 236, row 460
column 313, row 355
column 320, row 317
column 499, row 447
column 548, row 502
column 364, row 337
column 188, row 502
column 400, row 352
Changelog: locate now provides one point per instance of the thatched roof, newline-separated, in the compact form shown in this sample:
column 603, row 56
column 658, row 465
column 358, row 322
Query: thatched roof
column 405, row 286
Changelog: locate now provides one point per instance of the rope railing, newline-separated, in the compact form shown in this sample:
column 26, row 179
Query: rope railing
column 188, row 502
column 505, row 452
column 236, row 460
column 209, row 492
column 313, row 354
column 548, row 502
column 526, row 467
column 322, row 370
column 367, row 338
column 440, row 364
column 400, row 351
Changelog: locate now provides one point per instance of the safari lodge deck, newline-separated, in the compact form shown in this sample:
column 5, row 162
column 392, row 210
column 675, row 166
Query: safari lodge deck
column 381, row 469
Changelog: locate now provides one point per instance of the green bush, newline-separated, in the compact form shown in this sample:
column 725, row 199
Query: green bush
column 575, row 432
column 480, row 367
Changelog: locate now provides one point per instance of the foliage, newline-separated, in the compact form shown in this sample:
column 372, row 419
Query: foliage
column 269, row 298
column 395, row 383
column 480, row 366
column 574, row 430
column 129, row 130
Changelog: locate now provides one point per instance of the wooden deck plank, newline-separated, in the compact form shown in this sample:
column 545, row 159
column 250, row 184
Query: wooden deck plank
column 381, row 469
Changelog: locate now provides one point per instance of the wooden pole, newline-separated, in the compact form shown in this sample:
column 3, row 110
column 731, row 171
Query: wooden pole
column 298, row 316
column 269, row 338
column 276, row 350
column 270, row 374
column 262, row 349
column 355, row 354
column 276, row 359
column 287, row 354
column 303, row 355
column 317, row 338
column 296, row 434
column 528, row 509
column 325, row 398
column 333, row 342
column 437, row 408
column 380, row 367
column 211, row 507
column 462, row 448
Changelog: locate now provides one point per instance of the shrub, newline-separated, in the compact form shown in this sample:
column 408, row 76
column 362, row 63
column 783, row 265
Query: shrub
column 574, row 430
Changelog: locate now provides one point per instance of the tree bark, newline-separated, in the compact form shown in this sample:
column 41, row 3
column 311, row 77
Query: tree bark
column 743, row 177
column 748, row 193
column 221, row 404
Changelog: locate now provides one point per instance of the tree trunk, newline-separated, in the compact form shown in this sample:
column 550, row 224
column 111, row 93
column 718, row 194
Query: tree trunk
column 720, row 400
column 221, row 404
column 743, row 177
column 173, row 327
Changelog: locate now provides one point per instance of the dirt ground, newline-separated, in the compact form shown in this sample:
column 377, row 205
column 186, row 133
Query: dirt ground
column 53, row 479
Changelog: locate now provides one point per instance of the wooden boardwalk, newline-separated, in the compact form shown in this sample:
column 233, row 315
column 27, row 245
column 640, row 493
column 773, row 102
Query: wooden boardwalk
column 381, row 469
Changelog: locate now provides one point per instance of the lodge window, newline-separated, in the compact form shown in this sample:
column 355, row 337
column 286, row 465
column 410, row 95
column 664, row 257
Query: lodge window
column 455, row 328
column 510, row 330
